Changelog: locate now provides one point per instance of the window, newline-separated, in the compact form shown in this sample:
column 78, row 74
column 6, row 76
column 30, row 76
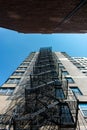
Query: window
column 83, row 108
column 6, row 91
column 59, row 93
column 81, row 68
column 66, row 116
column 18, row 73
column 84, row 72
column 65, row 73
column 13, row 81
column 62, row 67
column 60, row 63
column 22, row 68
column 76, row 90
column 70, row 80
column 25, row 64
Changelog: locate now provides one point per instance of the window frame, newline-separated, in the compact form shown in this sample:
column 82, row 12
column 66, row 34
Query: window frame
column 18, row 73
column 6, row 91
column 22, row 68
column 59, row 94
column 64, row 72
column 13, row 80
column 83, row 108
column 71, row 80
column 76, row 93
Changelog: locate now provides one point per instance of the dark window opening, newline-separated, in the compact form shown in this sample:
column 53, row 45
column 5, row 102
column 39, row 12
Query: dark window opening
column 22, row 68
column 18, row 73
column 6, row 91
column 13, row 81
column 76, row 90
column 59, row 93
column 65, row 73
column 70, row 80
column 83, row 108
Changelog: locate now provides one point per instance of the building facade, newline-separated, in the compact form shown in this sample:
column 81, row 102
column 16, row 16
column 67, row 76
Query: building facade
column 81, row 63
column 46, row 92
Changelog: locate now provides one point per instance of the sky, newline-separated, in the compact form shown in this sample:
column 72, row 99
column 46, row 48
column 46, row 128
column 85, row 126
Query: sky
column 15, row 47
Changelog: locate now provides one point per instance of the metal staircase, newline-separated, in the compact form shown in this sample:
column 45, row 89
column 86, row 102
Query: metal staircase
column 48, row 104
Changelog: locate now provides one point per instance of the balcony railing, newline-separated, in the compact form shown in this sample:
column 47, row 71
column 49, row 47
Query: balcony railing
column 48, row 103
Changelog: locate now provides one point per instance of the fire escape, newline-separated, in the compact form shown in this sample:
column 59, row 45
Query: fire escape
column 48, row 105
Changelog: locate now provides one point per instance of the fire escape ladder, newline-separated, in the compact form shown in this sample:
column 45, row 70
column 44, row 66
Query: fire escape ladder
column 48, row 103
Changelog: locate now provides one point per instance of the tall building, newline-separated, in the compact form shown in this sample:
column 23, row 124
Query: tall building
column 81, row 63
column 47, row 91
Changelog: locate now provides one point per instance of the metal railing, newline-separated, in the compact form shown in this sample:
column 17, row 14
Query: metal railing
column 48, row 103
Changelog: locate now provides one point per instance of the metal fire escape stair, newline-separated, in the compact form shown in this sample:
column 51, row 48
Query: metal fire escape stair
column 47, row 104
column 45, row 107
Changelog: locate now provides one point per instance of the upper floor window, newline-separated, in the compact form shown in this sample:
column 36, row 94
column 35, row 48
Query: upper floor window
column 18, row 73
column 70, row 80
column 61, row 66
column 65, row 73
column 25, row 64
column 84, row 72
column 83, row 108
column 6, row 91
column 59, row 93
column 76, row 90
column 13, row 81
column 22, row 68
